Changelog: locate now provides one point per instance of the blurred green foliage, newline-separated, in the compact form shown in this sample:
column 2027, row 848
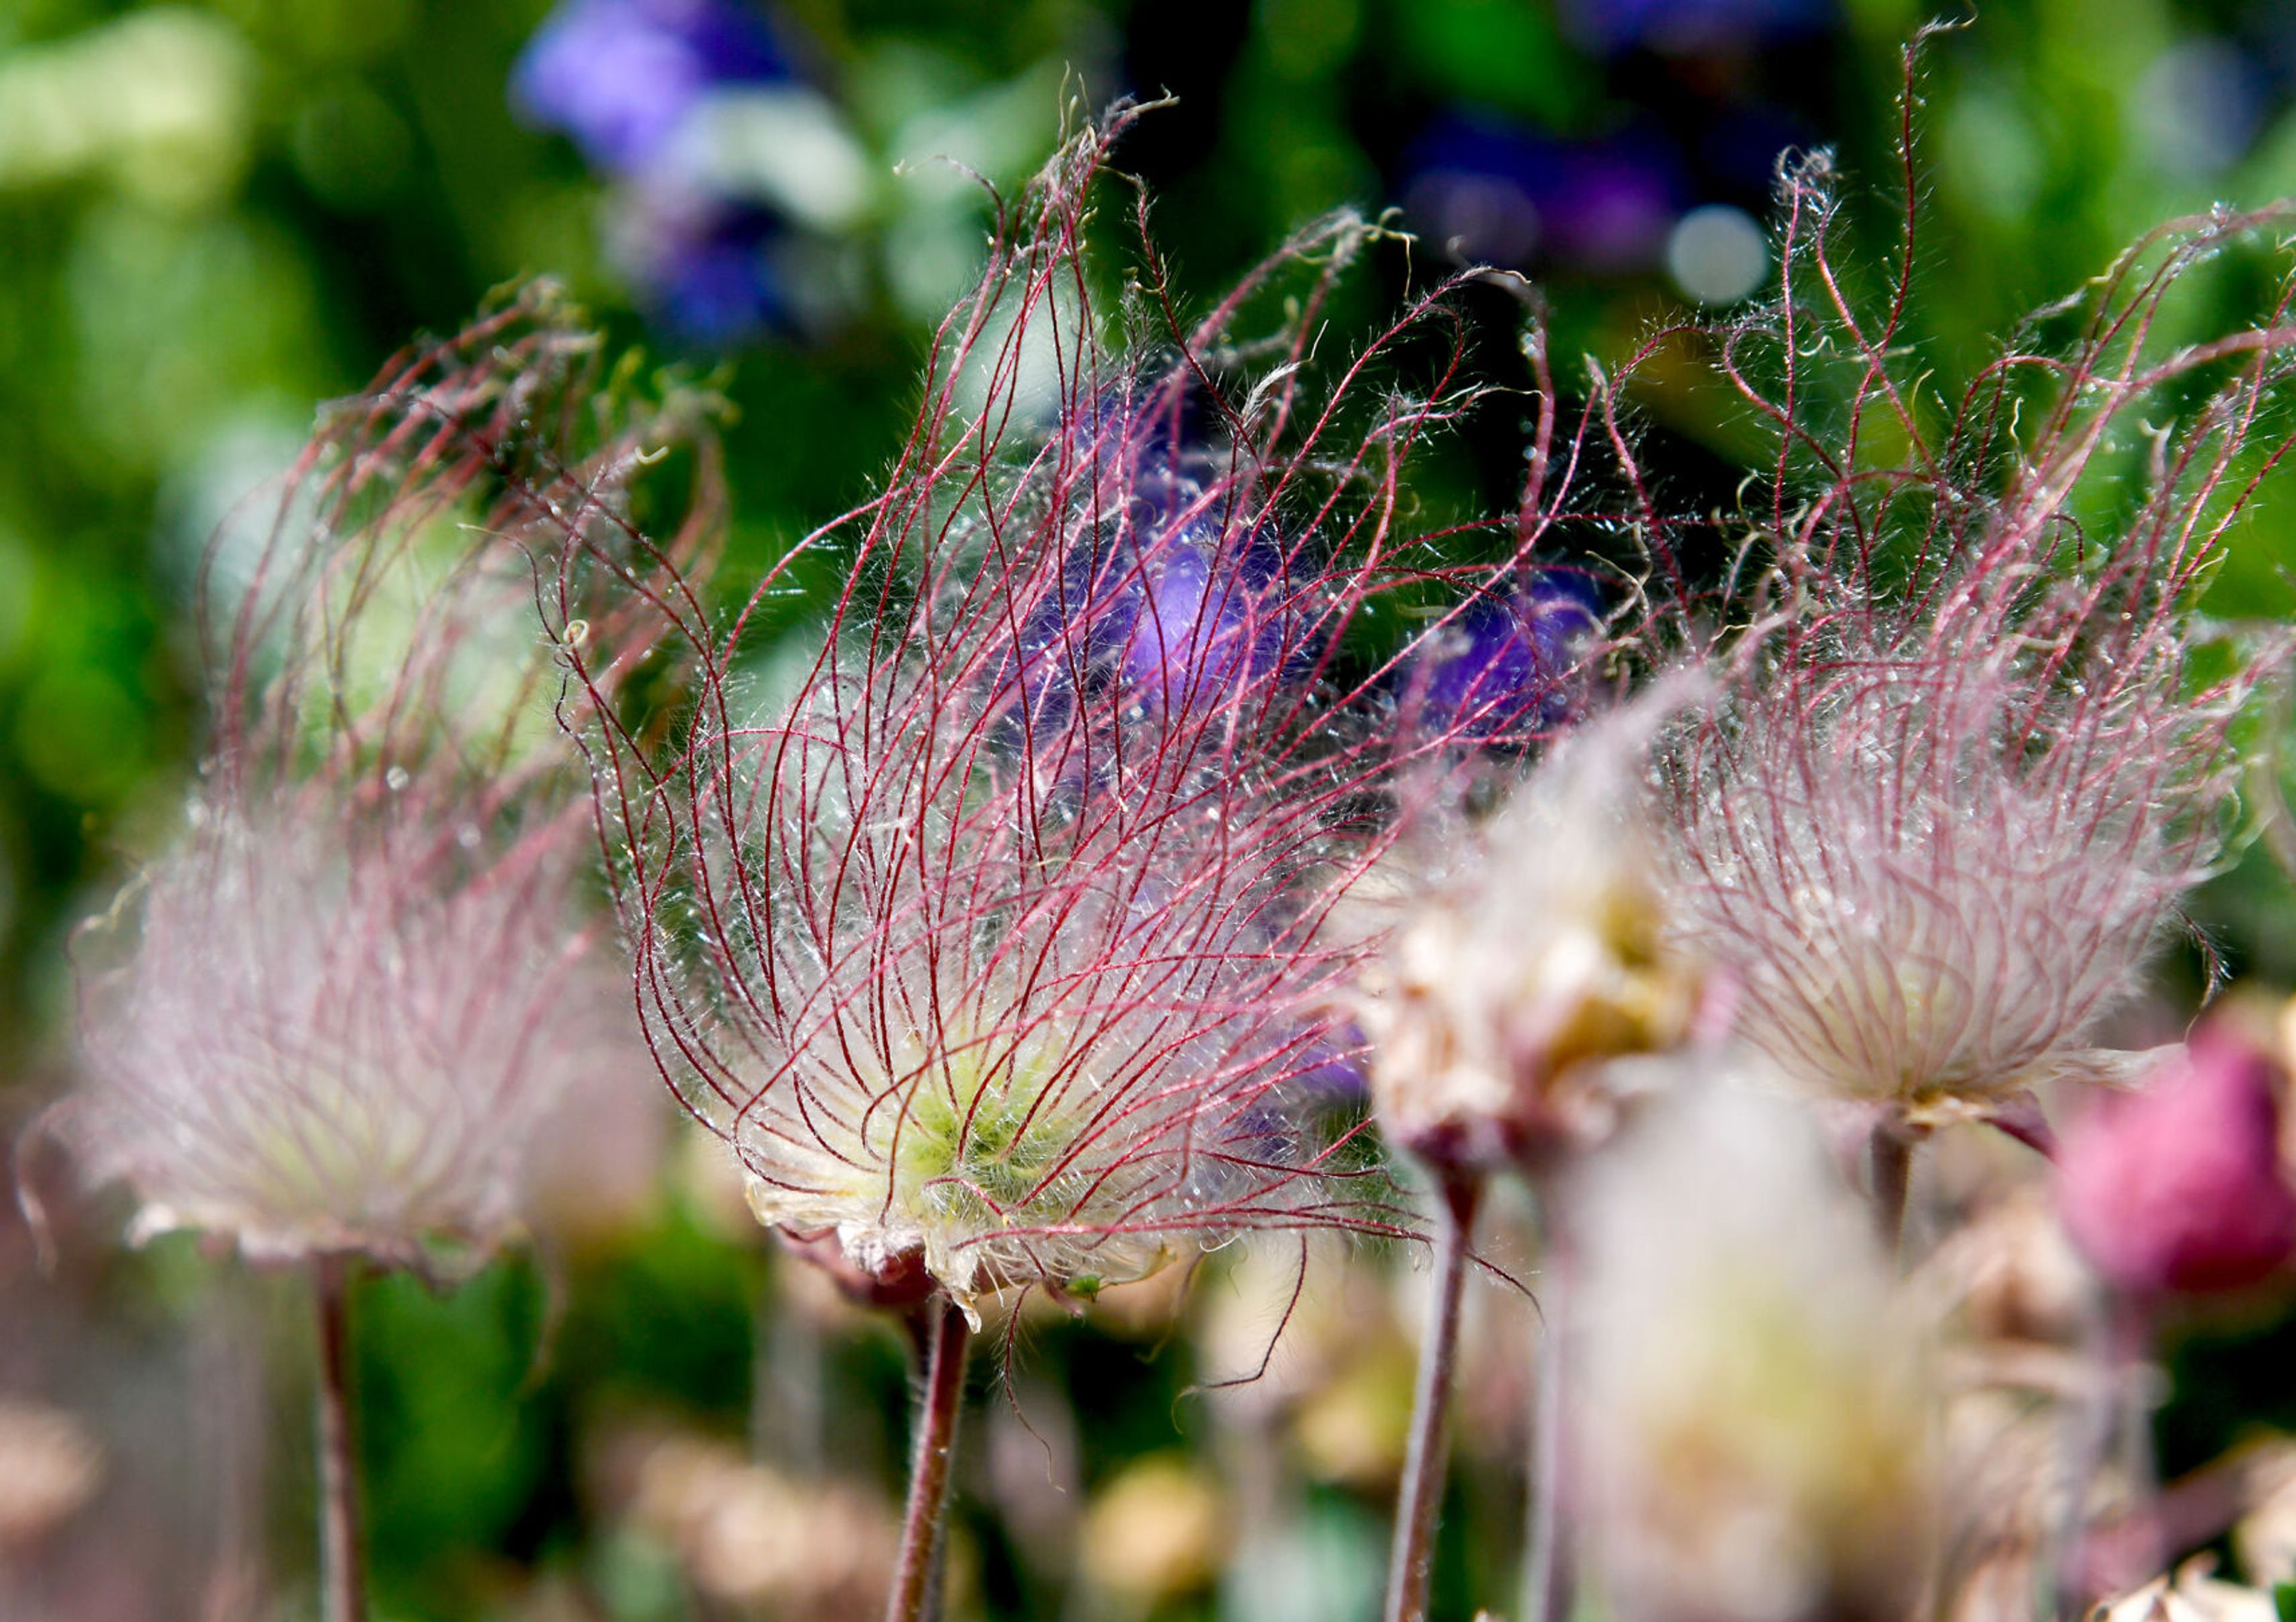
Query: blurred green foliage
column 219, row 214
column 216, row 214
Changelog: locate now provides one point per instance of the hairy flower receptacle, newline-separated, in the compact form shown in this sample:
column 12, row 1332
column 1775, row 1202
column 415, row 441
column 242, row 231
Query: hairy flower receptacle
column 956, row 1153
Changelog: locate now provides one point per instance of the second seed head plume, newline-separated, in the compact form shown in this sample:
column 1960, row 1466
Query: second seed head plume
column 333, row 1017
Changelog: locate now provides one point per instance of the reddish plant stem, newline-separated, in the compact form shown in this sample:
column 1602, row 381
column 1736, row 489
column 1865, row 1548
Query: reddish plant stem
column 1893, row 1164
column 1546, row 1572
column 2113, row 1426
column 945, row 1335
column 342, row 1559
column 1411, row 1566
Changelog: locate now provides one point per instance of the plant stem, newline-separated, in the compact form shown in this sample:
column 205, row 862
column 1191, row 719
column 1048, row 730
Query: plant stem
column 947, row 1337
column 1546, row 1574
column 1892, row 1161
column 342, row 1565
column 2112, row 1426
column 1411, row 1567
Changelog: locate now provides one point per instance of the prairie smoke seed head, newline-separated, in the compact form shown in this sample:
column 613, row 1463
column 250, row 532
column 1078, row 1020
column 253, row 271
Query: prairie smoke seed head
column 1969, row 755
column 317, row 1043
column 332, row 1018
column 1926, row 898
column 1000, row 950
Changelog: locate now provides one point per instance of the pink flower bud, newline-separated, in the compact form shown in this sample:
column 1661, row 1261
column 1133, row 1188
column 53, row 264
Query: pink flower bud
column 2179, row 1189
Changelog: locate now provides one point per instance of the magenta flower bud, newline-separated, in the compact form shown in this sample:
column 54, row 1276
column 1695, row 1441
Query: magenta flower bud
column 2178, row 1189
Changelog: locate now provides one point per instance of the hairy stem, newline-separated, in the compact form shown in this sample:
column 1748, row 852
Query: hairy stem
column 1410, row 1571
column 342, row 1563
column 1892, row 1162
column 946, row 1336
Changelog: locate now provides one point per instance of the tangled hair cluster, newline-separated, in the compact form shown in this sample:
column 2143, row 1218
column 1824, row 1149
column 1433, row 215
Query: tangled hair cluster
column 1000, row 948
column 332, row 1017
column 1968, row 755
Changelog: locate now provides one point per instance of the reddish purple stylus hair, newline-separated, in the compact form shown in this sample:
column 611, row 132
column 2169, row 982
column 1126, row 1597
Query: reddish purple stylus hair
column 330, row 1018
column 999, row 947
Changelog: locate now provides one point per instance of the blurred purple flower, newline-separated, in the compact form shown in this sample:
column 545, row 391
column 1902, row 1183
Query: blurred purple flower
column 1507, row 194
column 620, row 77
column 1689, row 27
column 705, row 268
column 1203, row 611
column 1507, row 664
column 1178, row 599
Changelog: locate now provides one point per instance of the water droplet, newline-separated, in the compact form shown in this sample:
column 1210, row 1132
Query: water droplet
column 395, row 778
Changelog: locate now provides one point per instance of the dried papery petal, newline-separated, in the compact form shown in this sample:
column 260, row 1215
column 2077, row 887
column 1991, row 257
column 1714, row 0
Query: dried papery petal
column 1002, row 947
column 1970, row 751
column 335, row 1015
column 1540, row 957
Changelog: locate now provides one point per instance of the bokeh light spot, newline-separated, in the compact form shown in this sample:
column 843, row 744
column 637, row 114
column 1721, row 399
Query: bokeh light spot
column 1717, row 254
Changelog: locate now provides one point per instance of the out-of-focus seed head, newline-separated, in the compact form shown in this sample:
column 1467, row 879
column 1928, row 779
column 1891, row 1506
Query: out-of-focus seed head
column 2179, row 1188
column 1754, row 1422
column 321, row 1044
column 1541, row 957
column 334, row 1018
